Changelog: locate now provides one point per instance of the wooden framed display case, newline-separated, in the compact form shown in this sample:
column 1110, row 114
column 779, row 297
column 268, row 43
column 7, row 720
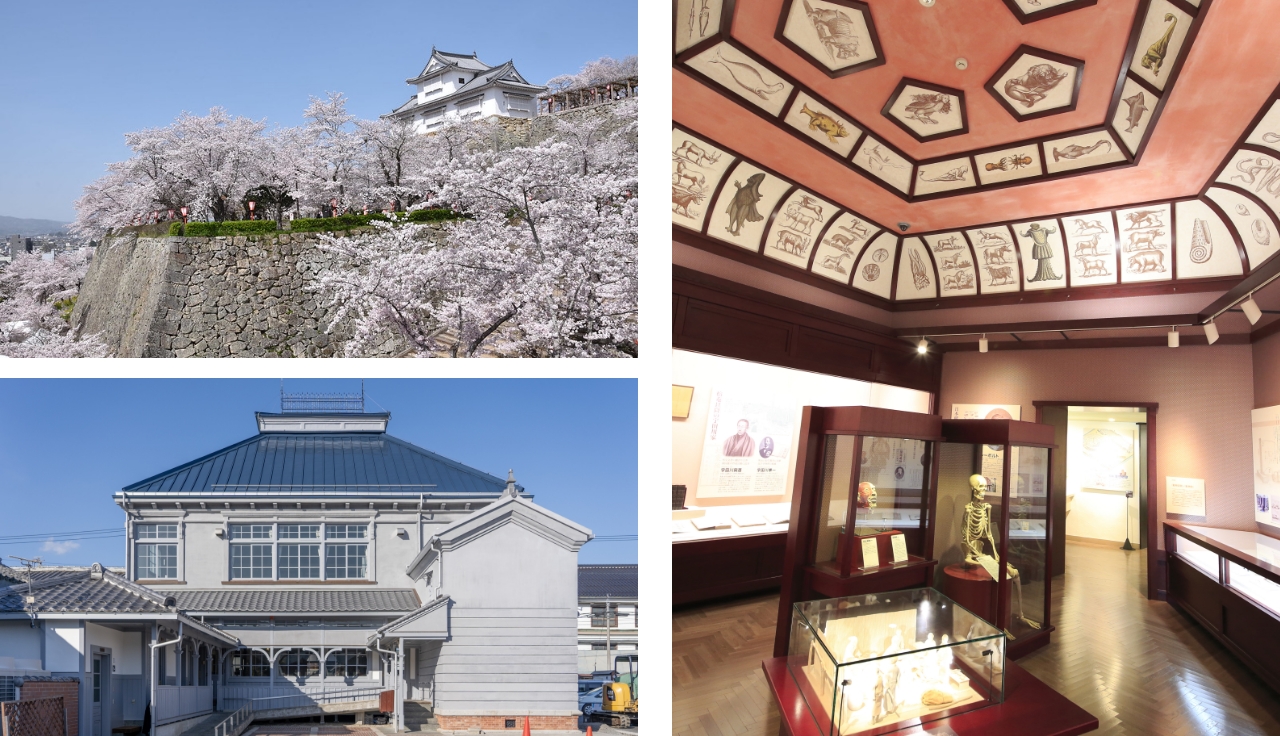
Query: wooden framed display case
column 993, row 539
column 842, row 510
column 889, row 661
column 1229, row 582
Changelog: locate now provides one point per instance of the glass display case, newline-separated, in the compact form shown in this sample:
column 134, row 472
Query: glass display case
column 991, row 534
column 864, row 484
column 889, row 661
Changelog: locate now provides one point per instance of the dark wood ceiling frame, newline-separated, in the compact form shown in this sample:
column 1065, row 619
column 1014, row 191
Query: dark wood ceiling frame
column 995, row 328
column 1025, row 50
column 1025, row 17
column 1080, row 343
column 909, row 196
column 897, row 92
column 854, row 5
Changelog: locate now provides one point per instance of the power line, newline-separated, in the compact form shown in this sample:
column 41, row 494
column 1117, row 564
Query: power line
column 85, row 534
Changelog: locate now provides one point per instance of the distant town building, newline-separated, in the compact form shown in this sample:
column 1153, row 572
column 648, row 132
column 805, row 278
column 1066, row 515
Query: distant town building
column 461, row 87
column 19, row 244
column 608, row 614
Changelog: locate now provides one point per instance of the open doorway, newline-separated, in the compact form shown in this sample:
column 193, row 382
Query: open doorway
column 1101, row 477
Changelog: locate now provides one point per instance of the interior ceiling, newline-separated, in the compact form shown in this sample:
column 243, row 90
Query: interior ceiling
column 1227, row 76
column 1221, row 87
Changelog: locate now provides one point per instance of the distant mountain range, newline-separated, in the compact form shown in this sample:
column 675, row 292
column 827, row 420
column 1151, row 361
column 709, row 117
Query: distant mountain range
column 26, row 226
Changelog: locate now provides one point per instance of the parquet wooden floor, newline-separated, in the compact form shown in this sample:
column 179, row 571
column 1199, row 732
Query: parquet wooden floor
column 1139, row 666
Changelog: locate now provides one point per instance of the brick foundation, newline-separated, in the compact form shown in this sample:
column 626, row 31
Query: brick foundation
column 498, row 723
column 67, row 689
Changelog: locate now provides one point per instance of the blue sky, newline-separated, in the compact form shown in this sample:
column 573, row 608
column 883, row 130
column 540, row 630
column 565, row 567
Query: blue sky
column 67, row 445
column 78, row 75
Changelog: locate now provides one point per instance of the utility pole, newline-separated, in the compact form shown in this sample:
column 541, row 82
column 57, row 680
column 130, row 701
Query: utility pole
column 608, row 649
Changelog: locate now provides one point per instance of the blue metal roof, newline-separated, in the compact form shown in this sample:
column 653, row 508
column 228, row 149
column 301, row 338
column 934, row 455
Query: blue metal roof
column 338, row 464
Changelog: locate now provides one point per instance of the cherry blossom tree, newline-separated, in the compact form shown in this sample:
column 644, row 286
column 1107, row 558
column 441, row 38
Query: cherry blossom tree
column 36, row 298
column 543, row 264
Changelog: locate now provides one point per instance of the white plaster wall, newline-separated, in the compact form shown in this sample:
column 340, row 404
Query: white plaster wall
column 125, row 646
column 1097, row 514
column 706, row 372
column 20, row 642
column 63, row 645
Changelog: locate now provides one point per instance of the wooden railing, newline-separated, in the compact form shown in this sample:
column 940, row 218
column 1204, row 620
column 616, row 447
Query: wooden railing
column 234, row 724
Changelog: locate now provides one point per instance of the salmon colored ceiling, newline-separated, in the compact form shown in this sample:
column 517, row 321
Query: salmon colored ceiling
column 1231, row 69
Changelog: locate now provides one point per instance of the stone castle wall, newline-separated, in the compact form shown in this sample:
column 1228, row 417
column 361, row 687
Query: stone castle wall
column 241, row 296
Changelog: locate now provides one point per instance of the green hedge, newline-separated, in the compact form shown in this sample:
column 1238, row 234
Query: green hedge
column 303, row 225
column 228, row 227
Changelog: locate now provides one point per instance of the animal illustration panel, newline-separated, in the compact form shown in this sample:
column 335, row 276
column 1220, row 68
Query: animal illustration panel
column 841, row 246
column 1019, row 162
column 1164, row 32
column 1035, row 85
column 742, row 210
column 1031, row 7
column 1146, row 243
column 823, row 124
column 1133, row 115
column 1267, row 132
column 1256, row 173
column 1043, row 261
column 1256, row 229
column 1203, row 244
column 743, row 76
column 957, row 275
column 880, row 161
column 875, row 271
column 834, row 35
column 945, row 176
column 796, row 228
column 1091, row 248
column 696, row 21
column 1082, row 151
column 997, row 259
column 916, row 276
column 927, row 112
column 696, row 169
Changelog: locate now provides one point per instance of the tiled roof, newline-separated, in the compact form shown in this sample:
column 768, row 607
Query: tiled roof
column 80, row 592
column 287, row 463
column 296, row 601
column 615, row 581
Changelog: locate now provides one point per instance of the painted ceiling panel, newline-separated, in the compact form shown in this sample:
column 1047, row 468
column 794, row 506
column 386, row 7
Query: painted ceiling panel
column 875, row 267
column 796, row 227
column 742, row 210
column 840, row 247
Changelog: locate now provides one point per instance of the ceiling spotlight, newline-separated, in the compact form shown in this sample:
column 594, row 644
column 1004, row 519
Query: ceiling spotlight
column 1211, row 332
column 962, row 63
column 922, row 346
column 927, row 3
column 1173, row 337
column 1251, row 310
column 982, row 344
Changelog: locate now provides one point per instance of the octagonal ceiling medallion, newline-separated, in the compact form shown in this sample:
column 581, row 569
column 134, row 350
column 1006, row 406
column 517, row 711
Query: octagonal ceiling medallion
column 927, row 111
column 1034, row 83
column 838, row 36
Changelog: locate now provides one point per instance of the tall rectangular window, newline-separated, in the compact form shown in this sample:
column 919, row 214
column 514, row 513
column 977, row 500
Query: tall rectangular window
column 157, row 561
column 250, row 531
column 157, row 531
column 299, row 560
column 251, row 561
column 600, row 617
column 345, row 560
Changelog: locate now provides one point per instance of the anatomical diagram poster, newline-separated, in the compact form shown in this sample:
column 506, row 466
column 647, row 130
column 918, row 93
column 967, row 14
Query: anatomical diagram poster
column 1266, row 464
column 747, row 447
column 1109, row 459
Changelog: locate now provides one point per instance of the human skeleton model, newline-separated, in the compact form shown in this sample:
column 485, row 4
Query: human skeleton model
column 977, row 528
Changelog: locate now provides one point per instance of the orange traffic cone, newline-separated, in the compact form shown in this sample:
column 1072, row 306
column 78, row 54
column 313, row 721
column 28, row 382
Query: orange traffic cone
column 526, row 727
column 588, row 731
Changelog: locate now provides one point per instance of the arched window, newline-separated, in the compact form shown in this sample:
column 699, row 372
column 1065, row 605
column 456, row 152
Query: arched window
column 347, row 663
column 299, row 663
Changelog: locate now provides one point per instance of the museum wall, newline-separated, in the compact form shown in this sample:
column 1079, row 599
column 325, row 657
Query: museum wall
column 1266, row 372
column 799, row 388
column 1095, row 512
column 1205, row 395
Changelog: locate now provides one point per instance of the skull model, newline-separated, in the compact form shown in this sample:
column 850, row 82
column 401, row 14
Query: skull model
column 866, row 495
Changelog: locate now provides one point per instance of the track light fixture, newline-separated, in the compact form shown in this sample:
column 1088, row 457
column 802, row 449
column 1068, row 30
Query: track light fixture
column 982, row 343
column 1251, row 310
column 1173, row 337
column 922, row 347
column 1211, row 332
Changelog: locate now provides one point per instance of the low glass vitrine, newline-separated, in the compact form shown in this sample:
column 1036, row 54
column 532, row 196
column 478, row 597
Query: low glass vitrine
column 991, row 532
column 889, row 661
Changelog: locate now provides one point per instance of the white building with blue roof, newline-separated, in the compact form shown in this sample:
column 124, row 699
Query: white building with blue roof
column 323, row 566
column 460, row 87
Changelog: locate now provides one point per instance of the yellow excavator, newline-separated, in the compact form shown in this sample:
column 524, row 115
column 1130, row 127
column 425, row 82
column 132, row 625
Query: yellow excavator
column 620, row 704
